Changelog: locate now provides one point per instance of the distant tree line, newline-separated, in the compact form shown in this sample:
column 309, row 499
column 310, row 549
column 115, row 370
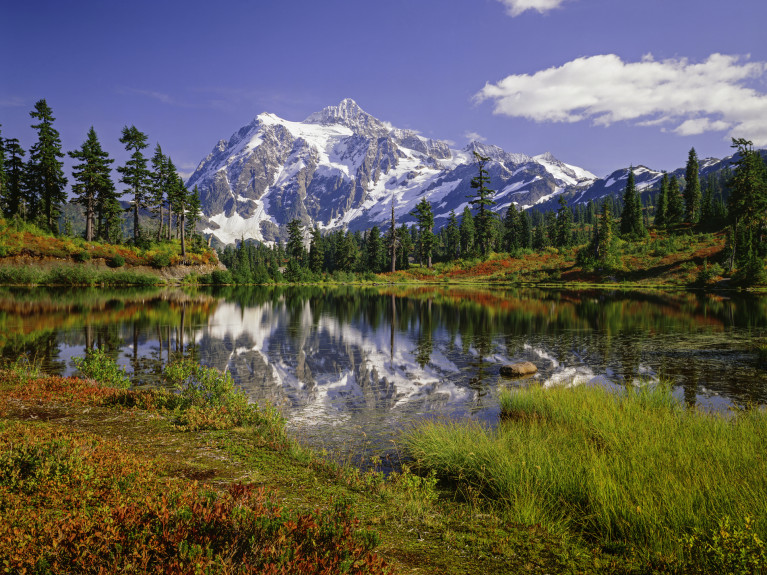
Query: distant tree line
column 34, row 190
column 734, row 200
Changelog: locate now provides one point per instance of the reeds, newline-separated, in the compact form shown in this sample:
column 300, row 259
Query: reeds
column 633, row 468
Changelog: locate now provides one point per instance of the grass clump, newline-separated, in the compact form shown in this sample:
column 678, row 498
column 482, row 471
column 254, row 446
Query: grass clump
column 632, row 471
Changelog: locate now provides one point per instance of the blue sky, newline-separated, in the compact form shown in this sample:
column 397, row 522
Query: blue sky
column 599, row 83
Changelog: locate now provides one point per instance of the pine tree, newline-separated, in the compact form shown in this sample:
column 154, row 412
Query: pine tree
column 391, row 240
column 747, row 207
column 405, row 247
column 525, row 230
column 483, row 201
column 425, row 218
column 45, row 170
column 93, row 179
column 135, row 173
column 511, row 223
column 295, row 247
column 159, row 191
column 452, row 237
column 316, row 251
column 193, row 211
column 467, row 233
column 3, row 176
column 374, row 250
column 632, row 222
column 692, row 193
column 675, row 210
column 661, row 209
column 14, row 197
column 564, row 224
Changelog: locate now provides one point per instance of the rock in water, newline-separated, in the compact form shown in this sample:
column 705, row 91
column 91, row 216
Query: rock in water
column 518, row 369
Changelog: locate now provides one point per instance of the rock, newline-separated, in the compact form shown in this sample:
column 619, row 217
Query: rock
column 518, row 369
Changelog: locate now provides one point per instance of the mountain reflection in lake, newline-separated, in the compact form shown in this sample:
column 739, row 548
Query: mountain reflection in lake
column 350, row 367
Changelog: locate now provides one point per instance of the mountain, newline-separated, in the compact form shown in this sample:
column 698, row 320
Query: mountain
column 342, row 167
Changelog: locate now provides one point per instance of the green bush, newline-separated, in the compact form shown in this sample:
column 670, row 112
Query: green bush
column 161, row 260
column 99, row 366
column 221, row 277
column 82, row 256
column 116, row 261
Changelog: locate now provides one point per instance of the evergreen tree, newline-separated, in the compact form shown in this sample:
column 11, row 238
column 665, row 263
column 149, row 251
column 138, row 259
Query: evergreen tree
column 45, row 170
column 483, row 201
column 391, row 241
column 3, row 176
column 467, row 233
column 525, row 230
column 93, row 180
column 295, row 247
column 374, row 250
column 452, row 237
column 193, row 211
column 675, row 209
column 405, row 240
column 425, row 218
column 159, row 192
column 747, row 207
column 631, row 217
column 692, row 194
column 135, row 174
column 316, row 251
column 511, row 223
column 661, row 209
column 564, row 224
column 14, row 204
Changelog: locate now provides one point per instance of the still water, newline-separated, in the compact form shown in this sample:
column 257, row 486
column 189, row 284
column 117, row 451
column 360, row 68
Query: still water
column 351, row 367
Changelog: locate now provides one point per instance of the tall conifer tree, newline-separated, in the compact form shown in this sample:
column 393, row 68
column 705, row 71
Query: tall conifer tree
column 426, row 239
column 483, row 201
column 675, row 209
column 661, row 209
column 692, row 195
column 45, row 170
column 14, row 197
column 93, row 181
column 135, row 173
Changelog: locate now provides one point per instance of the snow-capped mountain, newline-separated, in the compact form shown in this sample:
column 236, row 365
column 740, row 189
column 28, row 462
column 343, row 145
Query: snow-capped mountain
column 342, row 167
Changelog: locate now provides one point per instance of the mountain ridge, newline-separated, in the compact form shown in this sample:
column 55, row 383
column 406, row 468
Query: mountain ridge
column 343, row 168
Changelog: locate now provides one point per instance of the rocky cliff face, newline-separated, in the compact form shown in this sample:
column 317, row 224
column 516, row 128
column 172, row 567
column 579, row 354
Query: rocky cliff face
column 342, row 167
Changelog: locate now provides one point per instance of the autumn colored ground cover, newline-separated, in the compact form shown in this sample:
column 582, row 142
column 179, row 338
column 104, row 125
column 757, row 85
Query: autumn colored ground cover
column 68, row 261
column 658, row 260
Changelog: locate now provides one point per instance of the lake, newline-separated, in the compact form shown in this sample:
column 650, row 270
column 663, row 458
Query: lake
column 352, row 366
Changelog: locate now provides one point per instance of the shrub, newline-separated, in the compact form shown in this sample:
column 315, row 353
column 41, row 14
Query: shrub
column 116, row 261
column 99, row 366
column 82, row 256
column 222, row 277
column 161, row 260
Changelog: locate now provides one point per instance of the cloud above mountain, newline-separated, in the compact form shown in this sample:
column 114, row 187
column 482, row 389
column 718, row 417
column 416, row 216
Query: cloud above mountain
column 674, row 94
column 517, row 7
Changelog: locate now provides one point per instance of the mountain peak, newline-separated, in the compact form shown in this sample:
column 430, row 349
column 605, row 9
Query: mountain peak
column 348, row 113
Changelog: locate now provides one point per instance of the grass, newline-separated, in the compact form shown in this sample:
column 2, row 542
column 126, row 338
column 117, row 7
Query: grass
column 98, row 477
column 105, row 478
column 632, row 472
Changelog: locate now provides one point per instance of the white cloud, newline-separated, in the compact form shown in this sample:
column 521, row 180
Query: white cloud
column 516, row 7
column 687, row 97
column 474, row 137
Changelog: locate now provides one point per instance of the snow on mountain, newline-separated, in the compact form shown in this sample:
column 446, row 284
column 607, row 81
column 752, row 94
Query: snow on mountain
column 342, row 167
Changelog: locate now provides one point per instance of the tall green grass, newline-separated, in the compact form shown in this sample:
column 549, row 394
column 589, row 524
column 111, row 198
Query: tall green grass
column 632, row 469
